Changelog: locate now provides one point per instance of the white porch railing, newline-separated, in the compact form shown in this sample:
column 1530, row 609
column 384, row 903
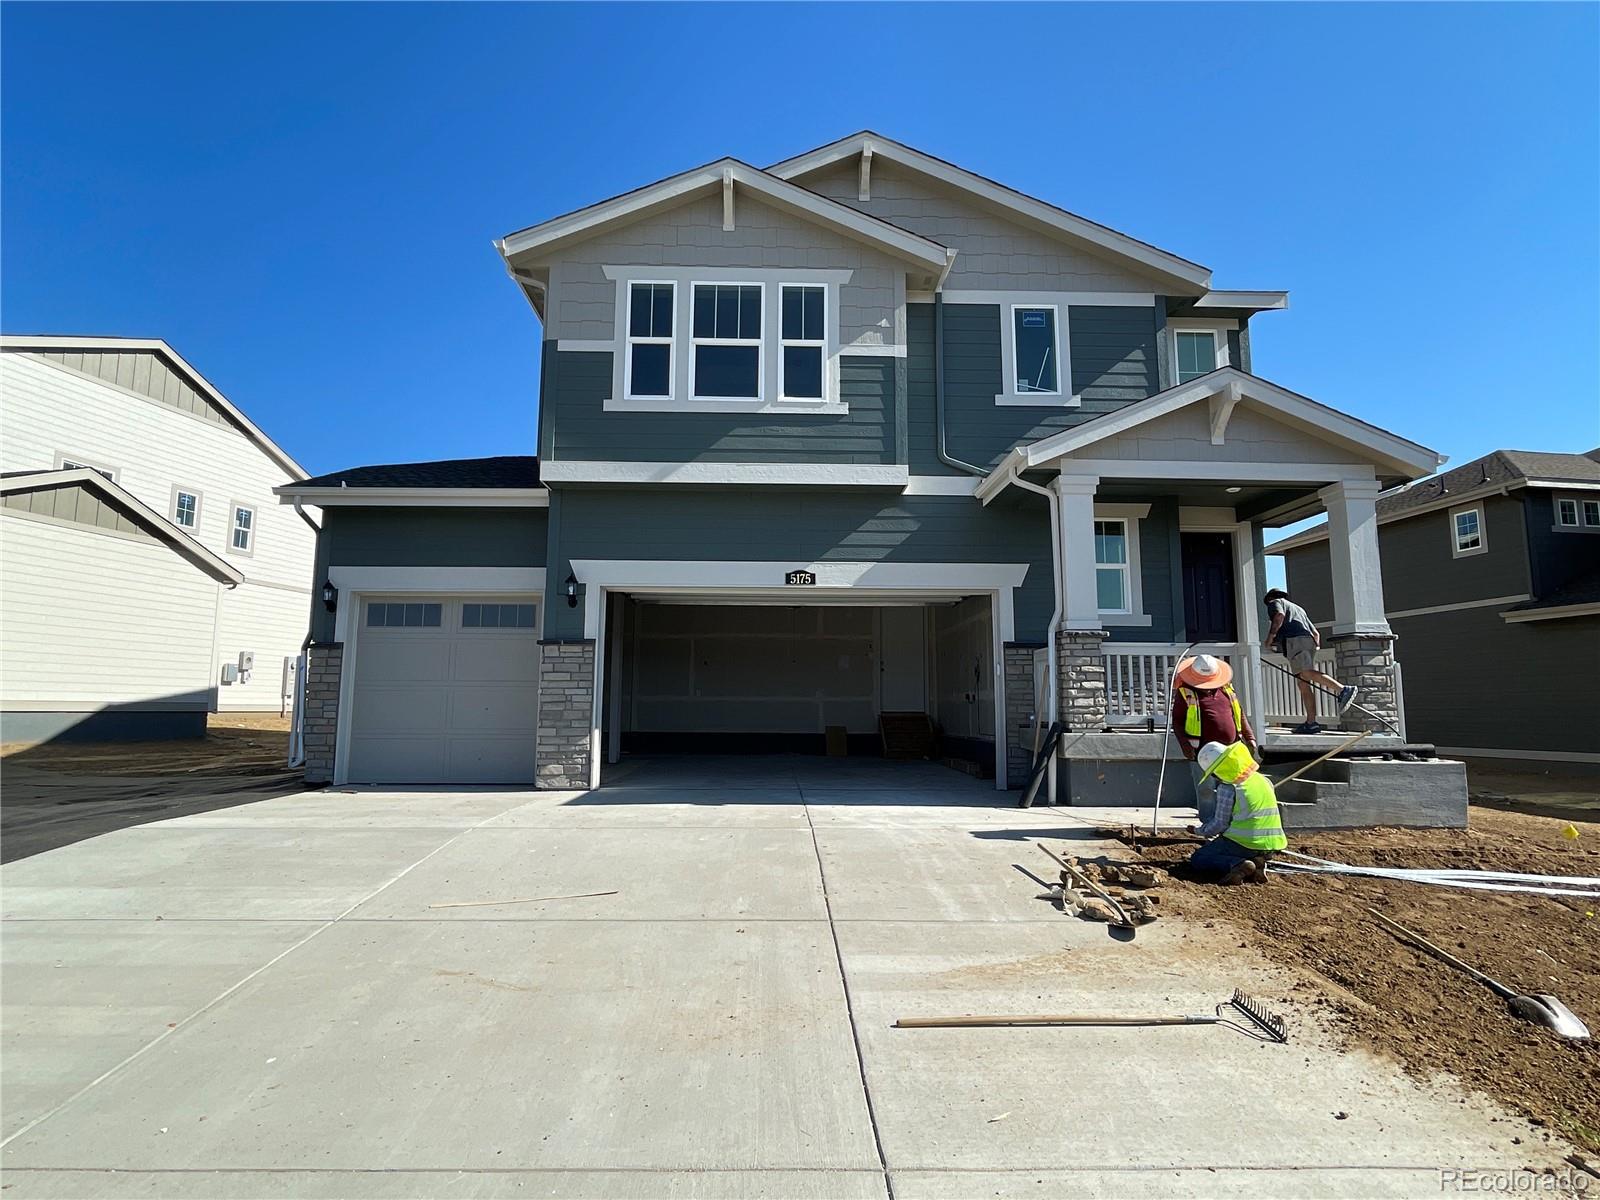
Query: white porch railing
column 1282, row 691
column 1138, row 675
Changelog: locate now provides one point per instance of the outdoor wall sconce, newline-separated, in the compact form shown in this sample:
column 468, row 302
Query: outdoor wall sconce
column 572, row 590
column 330, row 595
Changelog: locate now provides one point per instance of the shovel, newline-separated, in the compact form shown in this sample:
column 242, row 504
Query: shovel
column 1540, row 1008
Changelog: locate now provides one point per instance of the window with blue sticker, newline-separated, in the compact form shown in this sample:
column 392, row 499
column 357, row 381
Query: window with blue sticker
column 1038, row 356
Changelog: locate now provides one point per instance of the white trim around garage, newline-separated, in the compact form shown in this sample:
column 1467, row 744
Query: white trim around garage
column 868, row 582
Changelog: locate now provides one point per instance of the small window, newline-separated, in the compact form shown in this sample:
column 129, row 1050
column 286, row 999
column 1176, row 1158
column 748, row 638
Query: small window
column 78, row 464
column 410, row 615
column 243, row 538
column 649, row 363
column 185, row 508
column 1197, row 353
column 1566, row 512
column 1037, row 351
column 1591, row 513
column 803, row 320
column 1468, row 525
column 497, row 616
column 727, row 341
column 1111, row 573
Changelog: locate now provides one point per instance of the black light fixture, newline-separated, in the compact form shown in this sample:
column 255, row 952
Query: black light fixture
column 330, row 595
column 572, row 590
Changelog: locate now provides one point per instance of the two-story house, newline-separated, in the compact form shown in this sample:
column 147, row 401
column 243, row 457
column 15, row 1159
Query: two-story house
column 1491, row 579
column 151, row 573
column 859, row 433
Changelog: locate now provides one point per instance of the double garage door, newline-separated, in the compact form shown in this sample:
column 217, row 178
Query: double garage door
column 445, row 690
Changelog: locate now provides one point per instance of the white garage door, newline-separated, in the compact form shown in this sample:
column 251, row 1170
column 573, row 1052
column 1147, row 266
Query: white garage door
column 445, row 690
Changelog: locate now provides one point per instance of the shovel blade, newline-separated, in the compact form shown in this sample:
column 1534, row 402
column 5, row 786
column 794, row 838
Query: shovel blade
column 1546, row 1010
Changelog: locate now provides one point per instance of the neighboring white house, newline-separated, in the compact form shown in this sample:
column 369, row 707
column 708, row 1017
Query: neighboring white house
column 133, row 410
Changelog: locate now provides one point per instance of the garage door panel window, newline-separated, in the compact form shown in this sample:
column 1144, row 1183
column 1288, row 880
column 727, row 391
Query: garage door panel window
column 407, row 615
column 497, row 616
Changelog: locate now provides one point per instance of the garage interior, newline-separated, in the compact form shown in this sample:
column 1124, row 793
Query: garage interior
column 694, row 675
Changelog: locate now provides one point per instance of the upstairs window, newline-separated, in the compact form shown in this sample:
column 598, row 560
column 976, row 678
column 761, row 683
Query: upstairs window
column 185, row 508
column 1591, row 513
column 803, row 316
column 243, row 538
column 727, row 341
column 1197, row 353
column 80, row 464
column 1567, row 512
column 1036, row 350
column 1112, row 575
column 1466, row 527
column 649, row 361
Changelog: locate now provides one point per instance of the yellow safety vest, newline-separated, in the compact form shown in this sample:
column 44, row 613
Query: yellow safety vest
column 1259, row 828
column 1191, row 719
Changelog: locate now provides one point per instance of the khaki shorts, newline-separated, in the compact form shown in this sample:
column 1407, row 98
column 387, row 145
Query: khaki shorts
column 1301, row 653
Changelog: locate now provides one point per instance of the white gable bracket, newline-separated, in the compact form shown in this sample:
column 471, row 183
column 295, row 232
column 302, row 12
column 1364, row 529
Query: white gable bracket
column 727, row 202
column 1222, row 405
column 864, row 188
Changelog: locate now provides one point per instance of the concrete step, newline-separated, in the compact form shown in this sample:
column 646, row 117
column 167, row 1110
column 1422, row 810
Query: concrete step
column 1359, row 793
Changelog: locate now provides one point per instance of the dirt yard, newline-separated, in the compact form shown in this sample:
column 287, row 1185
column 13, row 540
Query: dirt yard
column 1382, row 994
column 235, row 744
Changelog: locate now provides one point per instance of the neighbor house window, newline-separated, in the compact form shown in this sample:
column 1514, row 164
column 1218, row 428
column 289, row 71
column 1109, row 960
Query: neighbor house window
column 1467, row 526
column 1591, row 513
column 185, row 508
column 803, row 317
column 78, row 464
column 649, row 362
column 243, row 538
column 1036, row 350
column 411, row 615
column 1197, row 353
column 727, row 341
column 1112, row 577
column 497, row 616
column 1566, row 512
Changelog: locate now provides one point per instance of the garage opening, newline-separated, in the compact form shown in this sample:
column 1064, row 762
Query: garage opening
column 748, row 676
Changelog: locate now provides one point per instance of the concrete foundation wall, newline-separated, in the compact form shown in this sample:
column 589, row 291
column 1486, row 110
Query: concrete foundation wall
column 106, row 725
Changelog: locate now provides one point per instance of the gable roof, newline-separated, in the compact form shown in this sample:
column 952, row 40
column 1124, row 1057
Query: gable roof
column 504, row 481
column 1397, row 455
column 704, row 181
column 212, row 564
column 1498, row 471
column 17, row 341
column 1190, row 278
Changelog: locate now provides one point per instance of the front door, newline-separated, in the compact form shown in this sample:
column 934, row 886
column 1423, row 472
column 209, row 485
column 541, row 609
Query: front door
column 1208, row 600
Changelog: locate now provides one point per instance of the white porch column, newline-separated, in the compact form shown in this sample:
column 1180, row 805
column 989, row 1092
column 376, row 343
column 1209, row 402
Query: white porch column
column 1250, row 584
column 1353, row 555
column 1081, row 607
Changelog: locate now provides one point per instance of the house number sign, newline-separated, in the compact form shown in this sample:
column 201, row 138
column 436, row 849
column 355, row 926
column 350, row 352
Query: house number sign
column 800, row 579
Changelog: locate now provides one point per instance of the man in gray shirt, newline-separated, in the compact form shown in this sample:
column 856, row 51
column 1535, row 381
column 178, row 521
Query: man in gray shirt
column 1293, row 635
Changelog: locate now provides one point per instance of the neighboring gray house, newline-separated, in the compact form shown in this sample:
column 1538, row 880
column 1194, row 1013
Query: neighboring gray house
column 1491, row 579
column 859, row 433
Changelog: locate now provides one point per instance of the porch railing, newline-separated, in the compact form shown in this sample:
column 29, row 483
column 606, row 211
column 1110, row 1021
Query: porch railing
column 1282, row 692
column 1138, row 675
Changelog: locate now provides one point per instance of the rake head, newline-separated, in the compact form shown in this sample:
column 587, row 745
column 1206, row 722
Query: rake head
column 1270, row 1025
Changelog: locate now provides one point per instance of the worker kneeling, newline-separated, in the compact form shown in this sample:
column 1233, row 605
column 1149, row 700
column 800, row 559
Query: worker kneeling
column 1246, row 818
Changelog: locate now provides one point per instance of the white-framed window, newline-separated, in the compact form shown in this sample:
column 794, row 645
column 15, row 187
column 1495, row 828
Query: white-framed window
column 725, row 328
column 652, row 306
column 802, row 329
column 497, row 616
column 410, row 614
column 242, row 529
column 1117, row 572
column 1198, row 347
column 185, row 509
column 1036, row 367
column 74, row 462
column 1467, row 532
column 1591, row 514
column 1567, row 512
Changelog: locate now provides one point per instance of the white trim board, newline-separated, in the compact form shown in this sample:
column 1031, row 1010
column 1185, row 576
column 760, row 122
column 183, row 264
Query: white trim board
column 155, row 346
column 378, row 497
column 1554, row 613
column 1462, row 606
column 748, row 474
column 435, row 579
column 1087, row 299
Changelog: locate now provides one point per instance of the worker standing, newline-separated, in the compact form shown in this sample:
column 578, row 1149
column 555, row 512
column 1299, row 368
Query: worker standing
column 1205, row 708
column 1246, row 829
column 1293, row 635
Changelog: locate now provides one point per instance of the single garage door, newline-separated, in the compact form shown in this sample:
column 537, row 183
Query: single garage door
column 445, row 690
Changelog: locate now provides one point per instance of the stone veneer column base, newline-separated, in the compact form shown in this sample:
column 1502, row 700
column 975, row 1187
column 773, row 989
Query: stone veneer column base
column 1082, row 667
column 324, row 666
column 1367, row 660
column 1019, row 711
column 566, row 714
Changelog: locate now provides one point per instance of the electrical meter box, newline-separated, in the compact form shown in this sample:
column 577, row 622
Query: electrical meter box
column 247, row 660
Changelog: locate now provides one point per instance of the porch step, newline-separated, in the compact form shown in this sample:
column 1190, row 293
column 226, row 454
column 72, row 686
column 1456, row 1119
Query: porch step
column 1360, row 793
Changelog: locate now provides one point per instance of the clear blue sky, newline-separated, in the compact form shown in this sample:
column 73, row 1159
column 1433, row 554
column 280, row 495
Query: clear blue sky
column 301, row 198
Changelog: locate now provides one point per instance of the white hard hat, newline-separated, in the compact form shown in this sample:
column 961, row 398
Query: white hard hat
column 1209, row 753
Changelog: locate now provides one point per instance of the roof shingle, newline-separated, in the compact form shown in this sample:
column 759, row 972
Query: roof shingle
column 505, row 471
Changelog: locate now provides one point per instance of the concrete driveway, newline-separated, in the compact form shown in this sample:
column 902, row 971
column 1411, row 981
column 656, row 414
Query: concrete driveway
column 264, row 1001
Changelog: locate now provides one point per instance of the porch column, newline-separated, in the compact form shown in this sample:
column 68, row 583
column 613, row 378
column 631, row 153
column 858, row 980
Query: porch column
column 1080, row 659
column 1250, row 584
column 1362, row 641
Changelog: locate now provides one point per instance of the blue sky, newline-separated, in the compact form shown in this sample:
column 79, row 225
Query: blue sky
column 301, row 198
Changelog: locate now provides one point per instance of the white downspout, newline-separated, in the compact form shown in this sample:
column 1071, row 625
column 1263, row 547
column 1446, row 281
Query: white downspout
column 1053, row 685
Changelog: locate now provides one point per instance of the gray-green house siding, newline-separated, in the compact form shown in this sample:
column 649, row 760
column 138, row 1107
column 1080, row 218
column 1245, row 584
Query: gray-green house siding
column 423, row 537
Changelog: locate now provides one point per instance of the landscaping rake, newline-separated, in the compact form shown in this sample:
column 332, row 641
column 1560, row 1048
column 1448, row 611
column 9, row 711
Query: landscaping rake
column 1266, row 1026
